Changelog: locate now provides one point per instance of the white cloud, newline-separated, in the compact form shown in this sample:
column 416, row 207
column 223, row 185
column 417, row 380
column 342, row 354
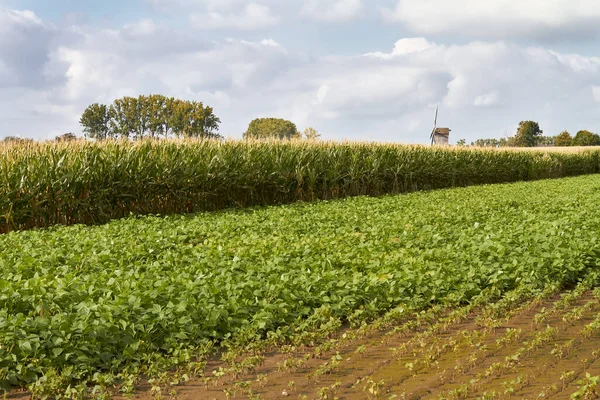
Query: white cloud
column 332, row 10
column 484, row 88
column 253, row 16
column 143, row 27
column 596, row 93
column 404, row 47
column 487, row 99
column 24, row 40
column 499, row 18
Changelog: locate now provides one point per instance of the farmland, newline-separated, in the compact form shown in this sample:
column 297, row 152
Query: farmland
column 44, row 184
column 522, row 346
column 424, row 280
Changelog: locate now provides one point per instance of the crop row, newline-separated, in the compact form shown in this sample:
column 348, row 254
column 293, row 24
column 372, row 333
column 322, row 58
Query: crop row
column 409, row 364
column 151, row 292
column 69, row 183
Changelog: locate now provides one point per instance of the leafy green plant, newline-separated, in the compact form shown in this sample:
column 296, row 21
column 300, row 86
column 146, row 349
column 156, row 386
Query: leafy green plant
column 588, row 387
column 141, row 296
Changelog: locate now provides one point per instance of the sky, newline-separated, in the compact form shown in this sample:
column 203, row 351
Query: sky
column 352, row 69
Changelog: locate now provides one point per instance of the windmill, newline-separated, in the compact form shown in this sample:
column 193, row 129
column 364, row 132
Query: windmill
column 439, row 136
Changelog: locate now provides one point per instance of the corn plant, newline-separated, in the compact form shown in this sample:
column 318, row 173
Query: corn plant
column 44, row 184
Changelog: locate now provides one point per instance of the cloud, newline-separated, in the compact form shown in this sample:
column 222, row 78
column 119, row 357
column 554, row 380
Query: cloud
column 253, row 16
column 24, row 41
column 332, row 10
column 484, row 88
column 539, row 19
column 596, row 93
column 487, row 99
column 405, row 47
column 221, row 14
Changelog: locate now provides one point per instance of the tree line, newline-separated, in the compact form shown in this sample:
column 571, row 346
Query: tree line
column 529, row 134
column 152, row 116
column 157, row 116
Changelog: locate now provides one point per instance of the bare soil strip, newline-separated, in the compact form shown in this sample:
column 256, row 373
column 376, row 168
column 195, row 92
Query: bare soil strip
column 537, row 349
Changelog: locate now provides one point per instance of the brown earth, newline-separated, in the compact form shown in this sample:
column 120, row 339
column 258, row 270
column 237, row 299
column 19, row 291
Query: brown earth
column 533, row 350
column 469, row 358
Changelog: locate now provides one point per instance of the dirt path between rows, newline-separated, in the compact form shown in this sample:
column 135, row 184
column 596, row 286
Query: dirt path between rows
column 538, row 349
column 523, row 356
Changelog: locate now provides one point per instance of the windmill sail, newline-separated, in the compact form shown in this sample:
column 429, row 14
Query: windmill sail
column 434, row 125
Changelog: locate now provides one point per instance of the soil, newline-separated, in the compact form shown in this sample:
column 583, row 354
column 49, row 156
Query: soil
column 521, row 357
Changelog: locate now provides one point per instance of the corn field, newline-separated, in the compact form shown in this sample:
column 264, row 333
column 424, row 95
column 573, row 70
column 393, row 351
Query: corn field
column 44, row 184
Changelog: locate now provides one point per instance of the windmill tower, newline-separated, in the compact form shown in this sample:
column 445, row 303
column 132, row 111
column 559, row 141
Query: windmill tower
column 439, row 136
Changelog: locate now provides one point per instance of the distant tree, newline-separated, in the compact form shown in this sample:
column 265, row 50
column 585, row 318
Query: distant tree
column 95, row 121
column 276, row 128
column 192, row 119
column 158, row 109
column 527, row 134
column 311, row 134
column 586, row 138
column 461, row 142
column 125, row 118
column 563, row 139
column 486, row 143
column 66, row 137
column 16, row 140
column 150, row 116
column 544, row 141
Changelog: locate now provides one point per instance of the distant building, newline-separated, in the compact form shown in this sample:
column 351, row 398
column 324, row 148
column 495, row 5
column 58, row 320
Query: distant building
column 440, row 136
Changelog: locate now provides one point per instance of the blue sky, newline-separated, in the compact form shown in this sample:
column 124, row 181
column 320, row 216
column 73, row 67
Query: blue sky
column 352, row 69
column 117, row 12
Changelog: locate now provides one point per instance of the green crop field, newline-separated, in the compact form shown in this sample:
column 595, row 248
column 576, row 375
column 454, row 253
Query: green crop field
column 43, row 184
column 138, row 296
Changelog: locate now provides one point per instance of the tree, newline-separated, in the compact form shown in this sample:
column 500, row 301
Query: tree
column 544, row 141
column 486, row 143
column 125, row 118
column 461, row 142
column 527, row 134
column 276, row 128
column 192, row 119
column 563, row 139
column 95, row 121
column 586, row 138
column 150, row 116
column 311, row 134
column 16, row 140
column 66, row 137
column 157, row 108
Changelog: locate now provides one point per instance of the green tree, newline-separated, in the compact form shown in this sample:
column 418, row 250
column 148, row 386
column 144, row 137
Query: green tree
column 487, row 143
column 586, row 138
column 122, row 113
column 461, row 142
column 311, row 134
column 151, row 116
column 95, row 121
column 276, row 128
column 66, row 137
column 191, row 119
column 544, row 141
column 156, row 107
column 563, row 139
column 527, row 134
column 203, row 122
column 16, row 140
